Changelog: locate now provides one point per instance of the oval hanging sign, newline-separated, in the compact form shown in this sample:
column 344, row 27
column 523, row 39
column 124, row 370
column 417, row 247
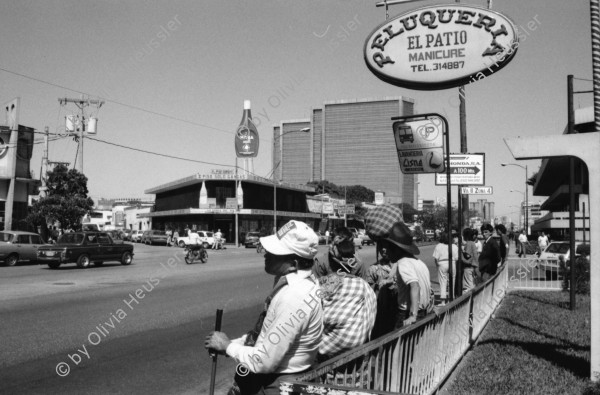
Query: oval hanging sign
column 441, row 46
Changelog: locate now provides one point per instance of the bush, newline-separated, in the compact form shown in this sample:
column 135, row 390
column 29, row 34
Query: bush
column 582, row 275
column 592, row 389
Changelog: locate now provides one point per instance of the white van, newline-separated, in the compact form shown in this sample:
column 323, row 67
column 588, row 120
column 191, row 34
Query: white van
column 549, row 259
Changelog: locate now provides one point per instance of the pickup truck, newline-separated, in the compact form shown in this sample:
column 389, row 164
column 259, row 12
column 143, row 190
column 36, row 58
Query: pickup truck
column 83, row 248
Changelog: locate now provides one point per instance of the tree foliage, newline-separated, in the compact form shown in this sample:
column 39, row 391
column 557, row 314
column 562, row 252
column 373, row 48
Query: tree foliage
column 408, row 212
column 66, row 201
column 437, row 218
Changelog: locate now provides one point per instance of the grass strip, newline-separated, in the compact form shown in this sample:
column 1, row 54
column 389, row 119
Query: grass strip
column 533, row 345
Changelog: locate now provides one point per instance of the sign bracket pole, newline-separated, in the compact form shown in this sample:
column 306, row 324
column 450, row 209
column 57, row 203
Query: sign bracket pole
column 449, row 210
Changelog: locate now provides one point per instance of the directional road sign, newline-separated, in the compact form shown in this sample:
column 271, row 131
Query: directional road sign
column 476, row 190
column 465, row 169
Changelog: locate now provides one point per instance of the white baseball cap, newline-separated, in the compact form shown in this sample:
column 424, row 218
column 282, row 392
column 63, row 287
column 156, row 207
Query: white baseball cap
column 295, row 237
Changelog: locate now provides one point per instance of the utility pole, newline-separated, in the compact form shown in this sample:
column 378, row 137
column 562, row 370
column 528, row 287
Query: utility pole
column 44, row 172
column 81, row 125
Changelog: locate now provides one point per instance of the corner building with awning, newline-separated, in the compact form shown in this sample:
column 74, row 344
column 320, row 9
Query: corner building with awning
column 234, row 203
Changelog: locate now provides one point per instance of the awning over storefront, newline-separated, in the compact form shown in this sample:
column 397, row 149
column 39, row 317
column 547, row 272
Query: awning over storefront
column 199, row 178
column 191, row 211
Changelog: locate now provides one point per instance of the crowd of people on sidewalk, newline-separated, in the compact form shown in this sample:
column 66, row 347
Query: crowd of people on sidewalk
column 322, row 306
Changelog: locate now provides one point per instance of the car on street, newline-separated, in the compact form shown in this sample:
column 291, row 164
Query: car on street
column 152, row 237
column 136, row 235
column 90, row 228
column 206, row 238
column 356, row 237
column 366, row 240
column 118, row 236
column 17, row 246
column 83, row 248
column 429, row 234
column 251, row 239
column 549, row 260
column 127, row 234
column 322, row 238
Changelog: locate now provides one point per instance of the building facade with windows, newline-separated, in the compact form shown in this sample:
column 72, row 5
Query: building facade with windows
column 350, row 143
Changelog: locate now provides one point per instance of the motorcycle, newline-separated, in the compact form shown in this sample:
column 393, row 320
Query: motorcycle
column 194, row 252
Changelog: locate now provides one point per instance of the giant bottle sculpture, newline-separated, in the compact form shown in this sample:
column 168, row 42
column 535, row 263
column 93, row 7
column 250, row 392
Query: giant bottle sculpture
column 246, row 137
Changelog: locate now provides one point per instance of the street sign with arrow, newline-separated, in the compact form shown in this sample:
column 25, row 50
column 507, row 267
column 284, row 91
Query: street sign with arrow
column 465, row 169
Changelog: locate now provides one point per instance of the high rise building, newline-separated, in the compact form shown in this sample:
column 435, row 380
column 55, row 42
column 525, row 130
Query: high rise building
column 350, row 143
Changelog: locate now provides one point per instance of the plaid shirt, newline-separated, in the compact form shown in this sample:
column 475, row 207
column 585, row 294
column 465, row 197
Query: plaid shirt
column 378, row 273
column 349, row 307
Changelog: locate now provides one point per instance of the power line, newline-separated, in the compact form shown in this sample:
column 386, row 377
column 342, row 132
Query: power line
column 117, row 102
column 156, row 153
column 170, row 156
column 60, row 136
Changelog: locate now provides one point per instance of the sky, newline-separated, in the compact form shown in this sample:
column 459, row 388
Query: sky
column 174, row 76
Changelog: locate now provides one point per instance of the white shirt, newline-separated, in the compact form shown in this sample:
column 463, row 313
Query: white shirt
column 194, row 238
column 291, row 332
column 410, row 270
column 523, row 238
column 543, row 241
column 440, row 253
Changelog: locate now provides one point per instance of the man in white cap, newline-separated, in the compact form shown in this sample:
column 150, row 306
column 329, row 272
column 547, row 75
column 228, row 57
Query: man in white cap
column 286, row 337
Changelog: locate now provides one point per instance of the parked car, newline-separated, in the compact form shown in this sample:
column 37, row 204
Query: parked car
column 251, row 239
column 206, row 238
column 127, row 234
column 429, row 234
column 84, row 248
column 366, row 240
column 17, row 246
column 90, row 228
column 357, row 241
column 549, row 260
column 136, row 235
column 151, row 237
column 118, row 236
column 322, row 238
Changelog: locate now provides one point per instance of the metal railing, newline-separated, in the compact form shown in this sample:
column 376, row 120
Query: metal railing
column 413, row 360
column 534, row 274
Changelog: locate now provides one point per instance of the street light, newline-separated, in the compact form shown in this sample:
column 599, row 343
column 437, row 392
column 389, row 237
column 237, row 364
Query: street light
column 522, row 207
column 519, row 212
column 303, row 130
column 526, row 195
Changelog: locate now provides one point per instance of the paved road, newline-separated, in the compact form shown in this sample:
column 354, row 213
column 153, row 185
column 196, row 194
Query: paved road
column 128, row 329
